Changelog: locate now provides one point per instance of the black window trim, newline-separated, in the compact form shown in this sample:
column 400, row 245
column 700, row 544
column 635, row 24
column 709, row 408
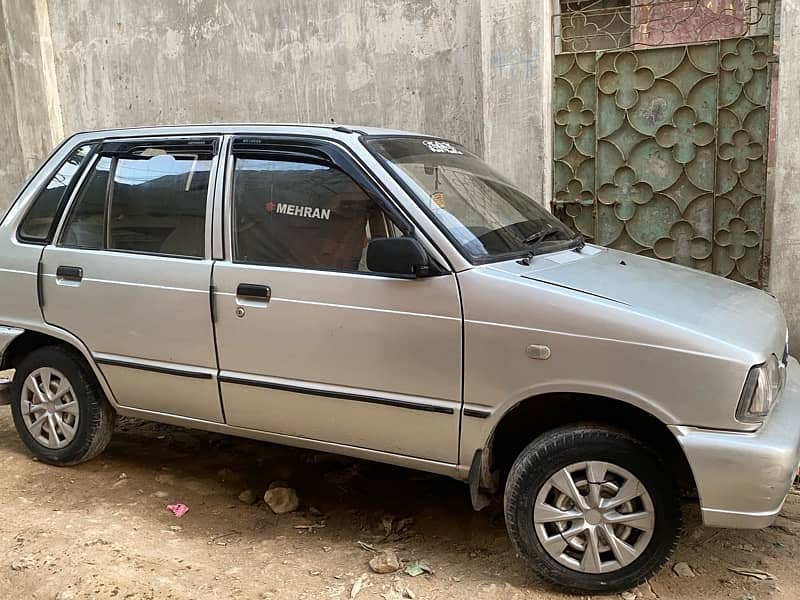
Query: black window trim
column 65, row 196
column 115, row 148
column 318, row 150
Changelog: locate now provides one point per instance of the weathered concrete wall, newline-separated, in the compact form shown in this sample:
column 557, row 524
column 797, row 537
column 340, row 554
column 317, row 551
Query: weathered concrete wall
column 784, row 275
column 11, row 157
column 517, row 58
column 462, row 69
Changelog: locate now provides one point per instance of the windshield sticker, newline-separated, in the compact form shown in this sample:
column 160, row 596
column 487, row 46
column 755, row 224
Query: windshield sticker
column 297, row 210
column 438, row 198
column 441, row 147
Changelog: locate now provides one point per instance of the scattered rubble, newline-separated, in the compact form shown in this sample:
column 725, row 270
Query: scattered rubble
column 282, row 500
column 417, row 568
column 358, row 584
column 248, row 496
column 683, row 569
column 385, row 562
column 165, row 479
column 23, row 563
column 752, row 573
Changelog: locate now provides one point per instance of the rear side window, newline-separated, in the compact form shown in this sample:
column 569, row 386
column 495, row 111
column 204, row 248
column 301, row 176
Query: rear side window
column 86, row 222
column 302, row 214
column 39, row 224
column 158, row 205
column 152, row 201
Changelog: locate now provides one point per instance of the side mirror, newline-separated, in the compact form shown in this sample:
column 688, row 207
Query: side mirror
column 398, row 256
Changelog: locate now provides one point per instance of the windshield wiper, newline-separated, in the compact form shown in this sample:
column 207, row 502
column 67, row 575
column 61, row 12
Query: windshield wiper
column 577, row 242
column 543, row 233
column 534, row 240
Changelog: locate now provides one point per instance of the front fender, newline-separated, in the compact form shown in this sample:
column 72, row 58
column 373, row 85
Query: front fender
column 477, row 428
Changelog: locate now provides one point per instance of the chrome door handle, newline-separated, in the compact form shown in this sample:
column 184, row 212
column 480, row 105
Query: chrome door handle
column 69, row 273
column 252, row 291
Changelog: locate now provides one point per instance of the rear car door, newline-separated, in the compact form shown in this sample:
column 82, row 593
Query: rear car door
column 311, row 343
column 130, row 270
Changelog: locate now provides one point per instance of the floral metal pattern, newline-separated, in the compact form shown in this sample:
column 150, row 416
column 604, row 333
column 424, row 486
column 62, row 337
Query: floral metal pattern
column 585, row 25
column 662, row 151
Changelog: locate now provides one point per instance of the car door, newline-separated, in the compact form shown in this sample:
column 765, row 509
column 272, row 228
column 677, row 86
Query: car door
column 311, row 343
column 130, row 272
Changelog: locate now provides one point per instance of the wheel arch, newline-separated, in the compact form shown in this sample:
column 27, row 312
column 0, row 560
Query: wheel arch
column 31, row 339
column 525, row 420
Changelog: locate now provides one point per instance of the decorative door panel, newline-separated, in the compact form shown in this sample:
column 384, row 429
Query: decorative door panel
column 662, row 151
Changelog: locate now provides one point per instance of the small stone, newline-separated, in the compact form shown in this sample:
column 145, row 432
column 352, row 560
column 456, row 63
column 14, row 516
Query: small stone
column 248, row 497
column 23, row 563
column 165, row 478
column 628, row 596
column 385, row 562
column 645, row 592
column 282, row 500
column 160, row 494
column 122, row 476
column 787, row 526
column 175, row 528
column 407, row 593
column 64, row 595
column 683, row 569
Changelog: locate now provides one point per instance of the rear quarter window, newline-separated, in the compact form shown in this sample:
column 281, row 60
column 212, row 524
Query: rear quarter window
column 39, row 222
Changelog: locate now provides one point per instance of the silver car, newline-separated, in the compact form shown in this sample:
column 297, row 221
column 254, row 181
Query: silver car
column 388, row 296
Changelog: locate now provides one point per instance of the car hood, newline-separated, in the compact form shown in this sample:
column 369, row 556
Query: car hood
column 729, row 312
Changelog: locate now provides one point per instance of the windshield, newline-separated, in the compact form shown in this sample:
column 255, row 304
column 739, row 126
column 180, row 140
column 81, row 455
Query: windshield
column 482, row 213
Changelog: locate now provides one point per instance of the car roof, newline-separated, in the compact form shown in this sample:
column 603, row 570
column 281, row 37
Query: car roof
column 232, row 128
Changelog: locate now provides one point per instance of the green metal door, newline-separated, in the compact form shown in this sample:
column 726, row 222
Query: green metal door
column 662, row 151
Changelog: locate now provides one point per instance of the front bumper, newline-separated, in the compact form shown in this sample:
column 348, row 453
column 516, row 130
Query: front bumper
column 743, row 478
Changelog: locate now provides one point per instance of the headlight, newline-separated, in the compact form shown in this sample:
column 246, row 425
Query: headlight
column 761, row 390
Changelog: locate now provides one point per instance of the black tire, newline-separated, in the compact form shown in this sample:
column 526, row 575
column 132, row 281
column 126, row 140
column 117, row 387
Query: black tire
column 96, row 417
column 560, row 448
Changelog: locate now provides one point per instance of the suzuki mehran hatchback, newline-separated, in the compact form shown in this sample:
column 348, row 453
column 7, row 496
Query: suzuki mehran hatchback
column 389, row 296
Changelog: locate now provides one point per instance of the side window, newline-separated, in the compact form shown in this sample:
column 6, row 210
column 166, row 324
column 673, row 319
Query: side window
column 158, row 204
column 37, row 226
column 155, row 203
column 84, row 229
column 302, row 214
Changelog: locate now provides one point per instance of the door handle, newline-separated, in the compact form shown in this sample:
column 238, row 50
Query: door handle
column 69, row 273
column 251, row 291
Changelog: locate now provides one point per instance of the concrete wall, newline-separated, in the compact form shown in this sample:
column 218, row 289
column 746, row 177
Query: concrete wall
column 469, row 70
column 784, row 274
column 11, row 155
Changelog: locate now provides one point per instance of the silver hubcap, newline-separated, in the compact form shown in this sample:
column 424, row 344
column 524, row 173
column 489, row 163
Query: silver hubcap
column 50, row 408
column 594, row 517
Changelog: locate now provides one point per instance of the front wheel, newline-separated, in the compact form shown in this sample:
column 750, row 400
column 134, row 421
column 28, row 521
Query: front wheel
column 592, row 509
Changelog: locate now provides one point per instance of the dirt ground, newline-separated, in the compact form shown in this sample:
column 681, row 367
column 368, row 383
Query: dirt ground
column 102, row 530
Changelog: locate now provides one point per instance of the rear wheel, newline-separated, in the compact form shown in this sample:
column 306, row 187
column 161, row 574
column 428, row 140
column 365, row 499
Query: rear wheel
column 59, row 411
column 592, row 509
